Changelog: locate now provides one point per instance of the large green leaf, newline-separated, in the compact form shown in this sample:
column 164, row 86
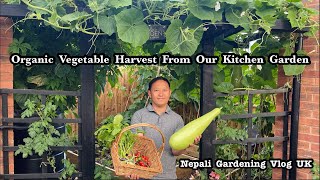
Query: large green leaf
column 180, row 70
column 180, row 96
column 131, row 28
column 97, row 5
column 193, row 23
column 236, row 17
column 219, row 76
column 266, row 12
column 202, row 9
column 290, row 70
column 268, row 16
column 229, row 1
column 106, row 23
column 39, row 3
column 194, row 95
column 292, row 16
column 61, row 70
column 181, row 39
column 175, row 84
column 222, row 45
column 120, row 3
column 224, row 87
column 39, row 80
column 77, row 15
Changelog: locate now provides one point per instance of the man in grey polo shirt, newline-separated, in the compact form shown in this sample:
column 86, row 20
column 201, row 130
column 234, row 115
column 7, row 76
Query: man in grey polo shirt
column 159, row 113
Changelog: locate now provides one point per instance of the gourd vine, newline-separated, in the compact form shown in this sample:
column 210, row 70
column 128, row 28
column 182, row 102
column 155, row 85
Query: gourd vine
column 187, row 19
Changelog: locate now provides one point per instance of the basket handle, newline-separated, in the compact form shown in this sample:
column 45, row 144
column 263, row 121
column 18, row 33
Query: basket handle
column 160, row 150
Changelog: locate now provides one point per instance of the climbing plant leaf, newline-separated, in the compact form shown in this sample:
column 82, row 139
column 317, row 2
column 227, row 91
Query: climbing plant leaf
column 202, row 9
column 131, row 28
column 180, row 40
column 106, row 23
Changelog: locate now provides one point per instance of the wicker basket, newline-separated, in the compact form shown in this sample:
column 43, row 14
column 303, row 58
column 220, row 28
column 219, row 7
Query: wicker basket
column 147, row 147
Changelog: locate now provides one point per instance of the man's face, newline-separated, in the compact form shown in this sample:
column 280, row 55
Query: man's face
column 160, row 93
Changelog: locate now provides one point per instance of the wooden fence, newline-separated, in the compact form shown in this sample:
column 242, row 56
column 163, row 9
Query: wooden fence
column 110, row 105
column 117, row 99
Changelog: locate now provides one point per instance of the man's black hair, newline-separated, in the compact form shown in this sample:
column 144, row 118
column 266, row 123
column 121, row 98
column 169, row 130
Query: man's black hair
column 156, row 79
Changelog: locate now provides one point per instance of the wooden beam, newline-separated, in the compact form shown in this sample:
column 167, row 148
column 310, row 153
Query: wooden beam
column 13, row 10
column 207, row 103
column 87, row 114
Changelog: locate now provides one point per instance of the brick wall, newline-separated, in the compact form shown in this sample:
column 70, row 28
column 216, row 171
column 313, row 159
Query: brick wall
column 6, row 80
column 308, row 135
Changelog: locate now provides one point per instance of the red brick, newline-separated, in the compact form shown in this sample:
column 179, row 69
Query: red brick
column 278, row 132
column 279, row 123
column 6, row 76
column 302, row 175
column 315, row 115
column 6, row 67
column 11, row 167
column 304, row 154
column 314, row 57
column 315, row 97
column 6, row 84
column 311, row 49
column 304, row 144
column 4, row 58
column 309, row 105
column 315, row 147
column 309, row 137
column 306, row 117
column 304, row 129
column 4, row 41
column 304, row 170
column 309, row 81
column 277, row 144
column 310, row 89
column 315, row 67
column 7, row 28
column 276, row 173
column 6, row 32
column 310, row 41
column 315, row 130
column 314, row 74
column 315, row 155
column 314, row 6
column 304, row 97
column 4, row 50
column 6, row 21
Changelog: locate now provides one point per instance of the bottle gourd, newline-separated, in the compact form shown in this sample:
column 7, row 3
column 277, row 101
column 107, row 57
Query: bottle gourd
column 186, row 135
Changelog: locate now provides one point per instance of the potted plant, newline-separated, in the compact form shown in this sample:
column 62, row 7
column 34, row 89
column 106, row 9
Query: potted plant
column 42, row 135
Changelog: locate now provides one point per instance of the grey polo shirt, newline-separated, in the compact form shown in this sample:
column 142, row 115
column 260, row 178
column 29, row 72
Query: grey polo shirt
column 168, row 122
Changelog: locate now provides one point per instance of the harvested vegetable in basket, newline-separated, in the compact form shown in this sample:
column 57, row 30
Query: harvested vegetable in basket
column 141, row 160
column 126, row 144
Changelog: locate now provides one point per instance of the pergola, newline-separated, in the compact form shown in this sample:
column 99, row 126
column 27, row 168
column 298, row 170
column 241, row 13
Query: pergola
column 207, row 100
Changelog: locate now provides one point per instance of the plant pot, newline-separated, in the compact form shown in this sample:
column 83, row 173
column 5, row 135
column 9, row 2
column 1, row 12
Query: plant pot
column 32, row 164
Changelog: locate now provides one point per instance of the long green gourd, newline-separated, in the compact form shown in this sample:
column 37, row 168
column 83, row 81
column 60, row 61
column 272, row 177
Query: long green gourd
column 186, row 135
